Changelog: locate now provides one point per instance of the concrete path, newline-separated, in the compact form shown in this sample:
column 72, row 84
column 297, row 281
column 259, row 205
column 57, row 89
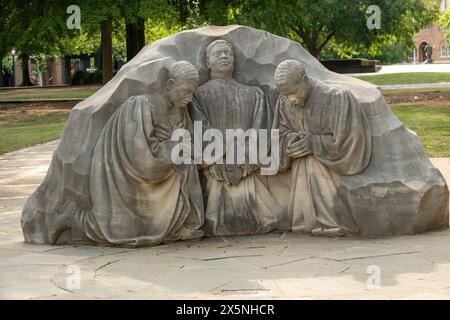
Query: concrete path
column 406, row 68
column 286, row 266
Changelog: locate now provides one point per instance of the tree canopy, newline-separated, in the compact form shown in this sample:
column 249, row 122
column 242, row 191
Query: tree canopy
column 324, row 27
column 39, row 27
column 315, row 23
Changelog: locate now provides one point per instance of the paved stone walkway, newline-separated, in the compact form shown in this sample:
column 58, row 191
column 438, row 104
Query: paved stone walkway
column 272, row 266
column 406, row 68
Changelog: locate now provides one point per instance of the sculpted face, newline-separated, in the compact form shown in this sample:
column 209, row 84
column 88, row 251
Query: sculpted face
column 292, row 81
column 180, row 91
column 297, row 93
column 221, row 59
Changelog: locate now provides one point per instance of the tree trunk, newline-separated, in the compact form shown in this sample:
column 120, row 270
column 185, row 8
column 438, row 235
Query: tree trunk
column 315, row 52
column 2, row 78
column 107, row 60
column 135, row 38
column 26, row 82
column 68, row 68
column 310, row 40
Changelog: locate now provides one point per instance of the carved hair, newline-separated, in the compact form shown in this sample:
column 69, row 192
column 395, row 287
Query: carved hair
column 183, row 70
column 214, row 43
column 291, row 72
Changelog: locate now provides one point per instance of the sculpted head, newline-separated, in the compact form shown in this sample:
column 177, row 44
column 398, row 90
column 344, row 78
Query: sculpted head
column 292, row 81
column 220, row 59
column 182, row 82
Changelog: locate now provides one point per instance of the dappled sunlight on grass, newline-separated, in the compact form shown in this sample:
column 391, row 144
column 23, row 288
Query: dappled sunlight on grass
column 30, row 130
column 432, row 125
column 407, row 78
column 69, row 92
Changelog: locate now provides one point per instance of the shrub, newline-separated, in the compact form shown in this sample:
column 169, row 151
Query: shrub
column 84, row 78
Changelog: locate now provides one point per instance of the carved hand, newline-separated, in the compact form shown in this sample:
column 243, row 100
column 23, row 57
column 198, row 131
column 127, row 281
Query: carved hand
column 293, row 136
column 161, row 132
column 301, row 147
column 164, row 131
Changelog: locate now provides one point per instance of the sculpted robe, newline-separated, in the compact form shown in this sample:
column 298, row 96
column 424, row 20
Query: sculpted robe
column 341, row 145
column 138, row 196
column 246, row 206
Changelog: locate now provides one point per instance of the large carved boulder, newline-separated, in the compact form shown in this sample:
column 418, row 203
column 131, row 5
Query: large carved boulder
column 400, row 192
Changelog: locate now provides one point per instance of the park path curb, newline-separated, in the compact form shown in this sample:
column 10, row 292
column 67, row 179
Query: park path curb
column 436, row 85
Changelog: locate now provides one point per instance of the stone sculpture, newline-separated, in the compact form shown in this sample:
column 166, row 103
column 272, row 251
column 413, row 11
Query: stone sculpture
column 325, row 134
column 138, row 197
column 237, row 201
column 380, row 179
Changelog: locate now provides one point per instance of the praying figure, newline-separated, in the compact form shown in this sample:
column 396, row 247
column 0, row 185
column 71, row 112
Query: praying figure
column 139, row 197
column 324, row 134
column 237, row 197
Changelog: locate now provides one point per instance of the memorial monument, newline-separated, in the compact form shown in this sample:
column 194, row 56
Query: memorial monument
column 347, row 165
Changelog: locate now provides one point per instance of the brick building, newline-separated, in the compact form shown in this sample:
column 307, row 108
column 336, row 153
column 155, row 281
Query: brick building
column 435, row 36
column 55, row 71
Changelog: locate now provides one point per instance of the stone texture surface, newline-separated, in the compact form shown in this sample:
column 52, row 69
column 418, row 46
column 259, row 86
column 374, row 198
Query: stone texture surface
column 285, row 266
column 400, row 192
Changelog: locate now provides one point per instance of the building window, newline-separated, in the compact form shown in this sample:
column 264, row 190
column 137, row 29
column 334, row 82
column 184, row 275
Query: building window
column 445, row 51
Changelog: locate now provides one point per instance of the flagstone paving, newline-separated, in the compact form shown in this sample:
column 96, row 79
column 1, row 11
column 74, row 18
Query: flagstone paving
column 278, row 266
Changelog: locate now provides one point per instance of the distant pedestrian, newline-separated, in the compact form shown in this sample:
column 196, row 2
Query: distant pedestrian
column 429, row 54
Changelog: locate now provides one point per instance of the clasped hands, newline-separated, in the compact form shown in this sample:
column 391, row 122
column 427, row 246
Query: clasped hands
column 299, row 145
column 163, row 131
column 232, row 174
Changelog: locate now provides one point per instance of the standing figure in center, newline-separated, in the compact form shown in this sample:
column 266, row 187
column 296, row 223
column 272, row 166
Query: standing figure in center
column 237, row 197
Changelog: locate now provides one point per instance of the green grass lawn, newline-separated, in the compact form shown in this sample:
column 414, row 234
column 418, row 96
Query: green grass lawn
column 70, row 92
column 30, row 130
column 407, row 78
column 424, row 90
column 432, row 125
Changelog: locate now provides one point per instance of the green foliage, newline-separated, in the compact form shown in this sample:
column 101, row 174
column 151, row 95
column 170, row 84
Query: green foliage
column 23, row 27
column 395, row 53
column 155, row 30
column 315, row 23
column 159, row 15
column 387, row 52
column 40, row 64
column 7, row 64
column 160, row 10
column 78, row 43
column 119, row 41
column 81, row 78
column 444, row 22
column 39, row 27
